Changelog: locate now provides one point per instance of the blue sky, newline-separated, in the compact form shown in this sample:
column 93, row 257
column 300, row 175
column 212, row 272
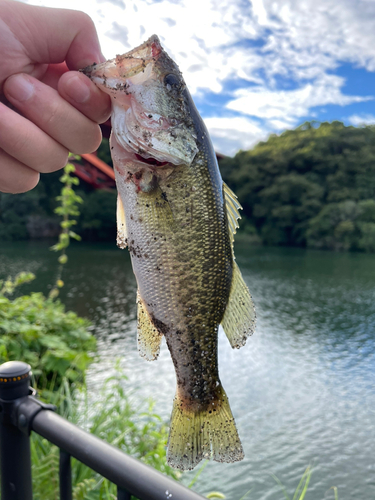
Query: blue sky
column 254, row 67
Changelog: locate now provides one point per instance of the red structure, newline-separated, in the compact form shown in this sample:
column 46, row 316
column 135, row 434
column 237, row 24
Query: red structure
column 93, row 170
column 96, row 172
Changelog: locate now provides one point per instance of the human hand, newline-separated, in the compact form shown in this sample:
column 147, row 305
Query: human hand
column 45, row 109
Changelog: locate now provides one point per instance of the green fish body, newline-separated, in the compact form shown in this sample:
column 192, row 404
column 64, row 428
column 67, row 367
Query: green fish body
column 177, row 218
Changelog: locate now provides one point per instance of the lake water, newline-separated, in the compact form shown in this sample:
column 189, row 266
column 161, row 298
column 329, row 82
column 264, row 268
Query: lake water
column 302, row 390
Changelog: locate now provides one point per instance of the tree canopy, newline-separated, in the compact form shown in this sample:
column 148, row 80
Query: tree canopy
column 313, row 186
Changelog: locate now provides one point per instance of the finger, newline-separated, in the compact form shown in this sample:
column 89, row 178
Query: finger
column 54, row 35
column 24, row 141
column 14, row 176
column 49, row 111
column 84, row 95
column 53, row 74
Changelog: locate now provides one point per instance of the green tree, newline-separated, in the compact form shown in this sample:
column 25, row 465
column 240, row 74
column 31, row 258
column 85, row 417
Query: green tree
column 310, row 186
column 97, row 221
column 32, row 215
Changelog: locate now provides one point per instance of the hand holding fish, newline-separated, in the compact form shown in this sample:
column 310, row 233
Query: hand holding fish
column 45, row 109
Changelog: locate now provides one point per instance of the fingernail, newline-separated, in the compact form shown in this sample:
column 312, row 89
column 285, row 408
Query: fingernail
column 77, row 89
column 19, row 87
column 102, row 58
column 95, row 58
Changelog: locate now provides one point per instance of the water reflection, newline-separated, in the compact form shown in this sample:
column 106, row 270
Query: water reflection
column 302, row 389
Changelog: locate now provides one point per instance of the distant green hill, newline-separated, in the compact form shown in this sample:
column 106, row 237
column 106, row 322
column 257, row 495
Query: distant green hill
column 31, row 215
column 313, row 186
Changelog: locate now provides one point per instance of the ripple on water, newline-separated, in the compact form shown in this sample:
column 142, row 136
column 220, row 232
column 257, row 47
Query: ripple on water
column 301, row 390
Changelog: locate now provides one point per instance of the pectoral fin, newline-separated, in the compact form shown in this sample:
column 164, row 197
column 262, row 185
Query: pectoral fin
column 149, row 338
column 122, row 236
column 239, row 316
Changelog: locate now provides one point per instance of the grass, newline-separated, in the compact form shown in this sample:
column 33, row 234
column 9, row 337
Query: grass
column 116, row 418
column 302, row 487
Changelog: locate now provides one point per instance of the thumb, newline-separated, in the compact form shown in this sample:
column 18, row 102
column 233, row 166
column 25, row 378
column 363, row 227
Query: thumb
column 51, row 36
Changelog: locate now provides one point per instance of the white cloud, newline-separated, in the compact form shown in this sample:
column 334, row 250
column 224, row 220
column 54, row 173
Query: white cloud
column 358, row 120
column 281, row 124
column 319, row 33
column 262, row 42
column 119, row 33
column 288, row 106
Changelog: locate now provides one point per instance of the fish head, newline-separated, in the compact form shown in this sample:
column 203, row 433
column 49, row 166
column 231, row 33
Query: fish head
column 150, row 114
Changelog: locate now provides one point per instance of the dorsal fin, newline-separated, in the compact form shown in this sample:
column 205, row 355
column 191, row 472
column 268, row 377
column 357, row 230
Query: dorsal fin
column 233, row 214
column 122, row 236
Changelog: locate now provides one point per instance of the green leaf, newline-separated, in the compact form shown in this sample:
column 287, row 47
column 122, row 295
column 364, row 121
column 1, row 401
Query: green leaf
column 69, row 168
column 199, row 472
column 63, row 259
column 53, row 342
column 334, row 488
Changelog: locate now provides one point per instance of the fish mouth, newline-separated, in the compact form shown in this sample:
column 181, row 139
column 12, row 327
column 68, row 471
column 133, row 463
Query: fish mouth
column 133, row 64
column 153, row 162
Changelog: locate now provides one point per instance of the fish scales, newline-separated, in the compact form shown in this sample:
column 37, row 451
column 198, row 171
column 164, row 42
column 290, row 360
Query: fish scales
column 177, row 262
column 176, row 217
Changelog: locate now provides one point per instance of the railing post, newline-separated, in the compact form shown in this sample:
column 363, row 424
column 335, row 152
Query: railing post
column 123, row 495
column 15, row 462
column 65, row 474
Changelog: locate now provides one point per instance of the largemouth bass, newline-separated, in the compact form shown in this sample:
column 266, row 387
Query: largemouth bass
column 177, row 218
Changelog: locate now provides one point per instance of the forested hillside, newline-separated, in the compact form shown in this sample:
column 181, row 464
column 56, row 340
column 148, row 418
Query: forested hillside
column 313, row 186
column 31, row 215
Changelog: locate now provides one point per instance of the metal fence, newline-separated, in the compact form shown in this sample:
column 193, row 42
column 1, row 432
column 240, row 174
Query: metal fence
column 21, row 412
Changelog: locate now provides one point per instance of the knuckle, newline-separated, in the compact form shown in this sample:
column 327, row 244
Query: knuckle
column 85, row 21
column 54, row 113
column 20, row 142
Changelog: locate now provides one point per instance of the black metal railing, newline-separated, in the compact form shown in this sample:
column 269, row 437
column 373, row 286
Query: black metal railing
column 21, row 412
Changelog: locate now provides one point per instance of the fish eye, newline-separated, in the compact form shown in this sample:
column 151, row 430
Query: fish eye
column 171, row 80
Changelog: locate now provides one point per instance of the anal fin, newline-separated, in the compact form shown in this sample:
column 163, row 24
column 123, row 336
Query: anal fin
column 239, row 317
column 149, row 338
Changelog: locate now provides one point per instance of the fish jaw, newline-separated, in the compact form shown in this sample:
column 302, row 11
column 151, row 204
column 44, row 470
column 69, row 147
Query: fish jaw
column 146, row 121
column 132, row 168
column 124, row 70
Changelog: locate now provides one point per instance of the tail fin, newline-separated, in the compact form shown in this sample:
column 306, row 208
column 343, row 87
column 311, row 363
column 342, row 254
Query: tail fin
column 195, row 435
